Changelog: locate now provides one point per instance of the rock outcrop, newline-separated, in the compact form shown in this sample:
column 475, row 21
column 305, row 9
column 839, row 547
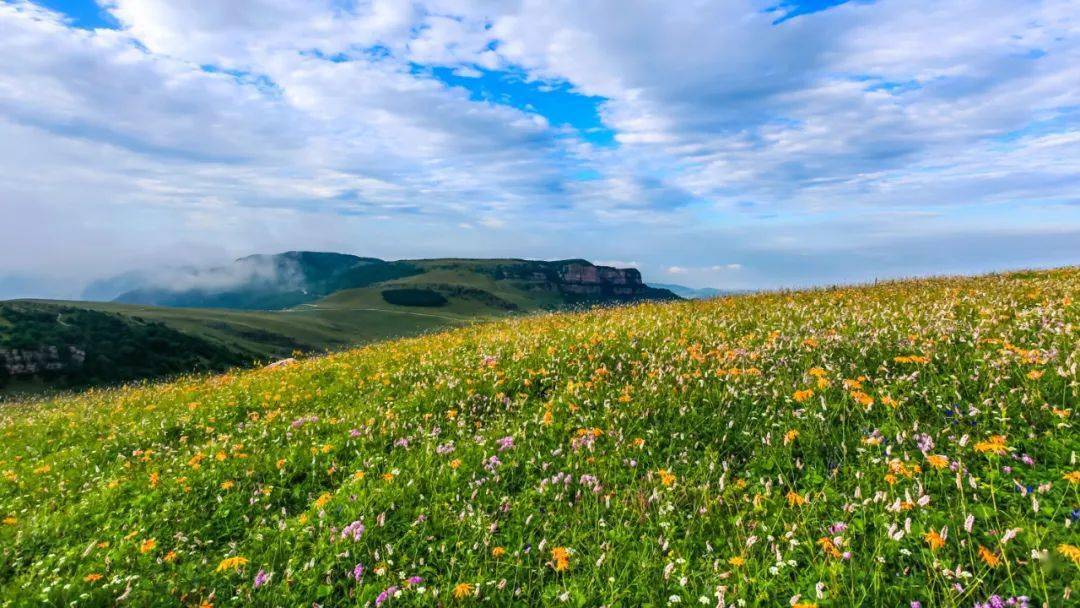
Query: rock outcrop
column 29, row 362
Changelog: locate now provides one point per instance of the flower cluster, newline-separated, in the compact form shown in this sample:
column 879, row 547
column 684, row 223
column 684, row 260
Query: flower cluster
column 904, row 444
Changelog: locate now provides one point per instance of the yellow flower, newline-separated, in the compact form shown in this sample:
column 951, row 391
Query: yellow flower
column 803, row 395
column 912, row 359
column 937, row 461
column 737, row 561
column 498, row 552
column 455, row 463
column 862, row 398
column 462, row 590
column 388, row 477
column 934, row 539
column 1072, row 477
column 988, row 556
column 995, row 445
column 154, row 478
column 228, row 484
column 804, row 605
column 1072, row 552
column 666, row 477
column 1035, row 374
column 790, row 436
column 794, row 499
column 321, row 501
column 231, row 563
column 10, row 520
column 829, row 547
column 560, row 558
column 147, row 545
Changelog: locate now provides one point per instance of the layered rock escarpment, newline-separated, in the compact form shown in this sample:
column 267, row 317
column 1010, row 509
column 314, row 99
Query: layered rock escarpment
column 28, row 362
column 579, row 280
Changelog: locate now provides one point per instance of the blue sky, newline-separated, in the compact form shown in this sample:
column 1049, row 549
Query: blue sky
column 739, row 143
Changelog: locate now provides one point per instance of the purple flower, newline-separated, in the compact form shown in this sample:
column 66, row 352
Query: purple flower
column 261, row 578
column 414, row 580
column 358, row 572
column 506, row 443
column 385, row 595
column 837, row 528
column 355, row 530
column 916, row 604
column 354, row 432
column 492, row 463
column 299, row 422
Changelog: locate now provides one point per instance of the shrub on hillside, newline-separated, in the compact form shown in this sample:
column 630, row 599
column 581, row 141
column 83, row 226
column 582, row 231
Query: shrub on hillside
column 414, row 297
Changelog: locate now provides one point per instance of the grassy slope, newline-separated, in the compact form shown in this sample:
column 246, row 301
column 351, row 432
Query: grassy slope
column 345, row 318
column 307, row 327
column 672, row 450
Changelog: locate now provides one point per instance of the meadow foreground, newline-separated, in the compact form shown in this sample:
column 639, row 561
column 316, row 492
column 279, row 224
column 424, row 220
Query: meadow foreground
column 907, row 444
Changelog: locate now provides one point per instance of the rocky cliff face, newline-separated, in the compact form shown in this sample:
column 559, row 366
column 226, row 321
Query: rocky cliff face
column 29, row 362
column 588, row 280
column 579, row 280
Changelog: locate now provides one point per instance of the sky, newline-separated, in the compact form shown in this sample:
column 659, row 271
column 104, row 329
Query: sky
column 737, row 144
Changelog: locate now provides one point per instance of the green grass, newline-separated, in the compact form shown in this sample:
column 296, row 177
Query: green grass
column 764, row 450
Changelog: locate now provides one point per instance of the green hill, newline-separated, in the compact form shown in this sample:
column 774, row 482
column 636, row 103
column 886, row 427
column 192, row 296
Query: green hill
column 313, row 302
column 70, row 347
column 910, row 443
column 275, row 282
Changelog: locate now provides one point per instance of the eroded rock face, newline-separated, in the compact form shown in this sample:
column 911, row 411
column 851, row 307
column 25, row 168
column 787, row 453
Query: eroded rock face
column 587, row 274
column 587, row 281
column 579, row 281
column 25, row 362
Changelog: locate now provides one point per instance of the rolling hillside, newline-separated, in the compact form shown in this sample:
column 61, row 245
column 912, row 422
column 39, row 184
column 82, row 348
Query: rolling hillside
column 314, row 302
column 907, row 444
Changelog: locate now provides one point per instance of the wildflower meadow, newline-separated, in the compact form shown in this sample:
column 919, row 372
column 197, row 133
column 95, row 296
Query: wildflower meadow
column 907, row 444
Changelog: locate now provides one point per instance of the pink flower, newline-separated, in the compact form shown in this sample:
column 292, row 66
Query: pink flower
column 355, row 530
column 385, row 595
column 261, row 578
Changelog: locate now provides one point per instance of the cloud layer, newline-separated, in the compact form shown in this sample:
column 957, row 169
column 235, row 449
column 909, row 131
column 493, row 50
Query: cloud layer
column 745, row 149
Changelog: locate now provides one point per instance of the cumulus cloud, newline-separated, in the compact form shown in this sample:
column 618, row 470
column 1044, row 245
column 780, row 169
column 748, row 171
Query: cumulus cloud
column 198, row 133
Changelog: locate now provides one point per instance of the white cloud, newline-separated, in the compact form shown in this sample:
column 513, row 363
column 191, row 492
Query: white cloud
column 217, row 130
column 677, row 270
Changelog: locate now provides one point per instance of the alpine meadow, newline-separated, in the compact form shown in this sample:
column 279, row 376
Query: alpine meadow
column 905, row 443
column 539, row 303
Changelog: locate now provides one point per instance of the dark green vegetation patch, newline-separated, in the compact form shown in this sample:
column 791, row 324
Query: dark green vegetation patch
column 72, row 347
column 414, row 297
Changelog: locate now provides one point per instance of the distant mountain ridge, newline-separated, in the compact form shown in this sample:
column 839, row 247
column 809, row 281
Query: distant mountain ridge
column 264, row 282
column 696, row 293
column 265, row 307
column 286, row 280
